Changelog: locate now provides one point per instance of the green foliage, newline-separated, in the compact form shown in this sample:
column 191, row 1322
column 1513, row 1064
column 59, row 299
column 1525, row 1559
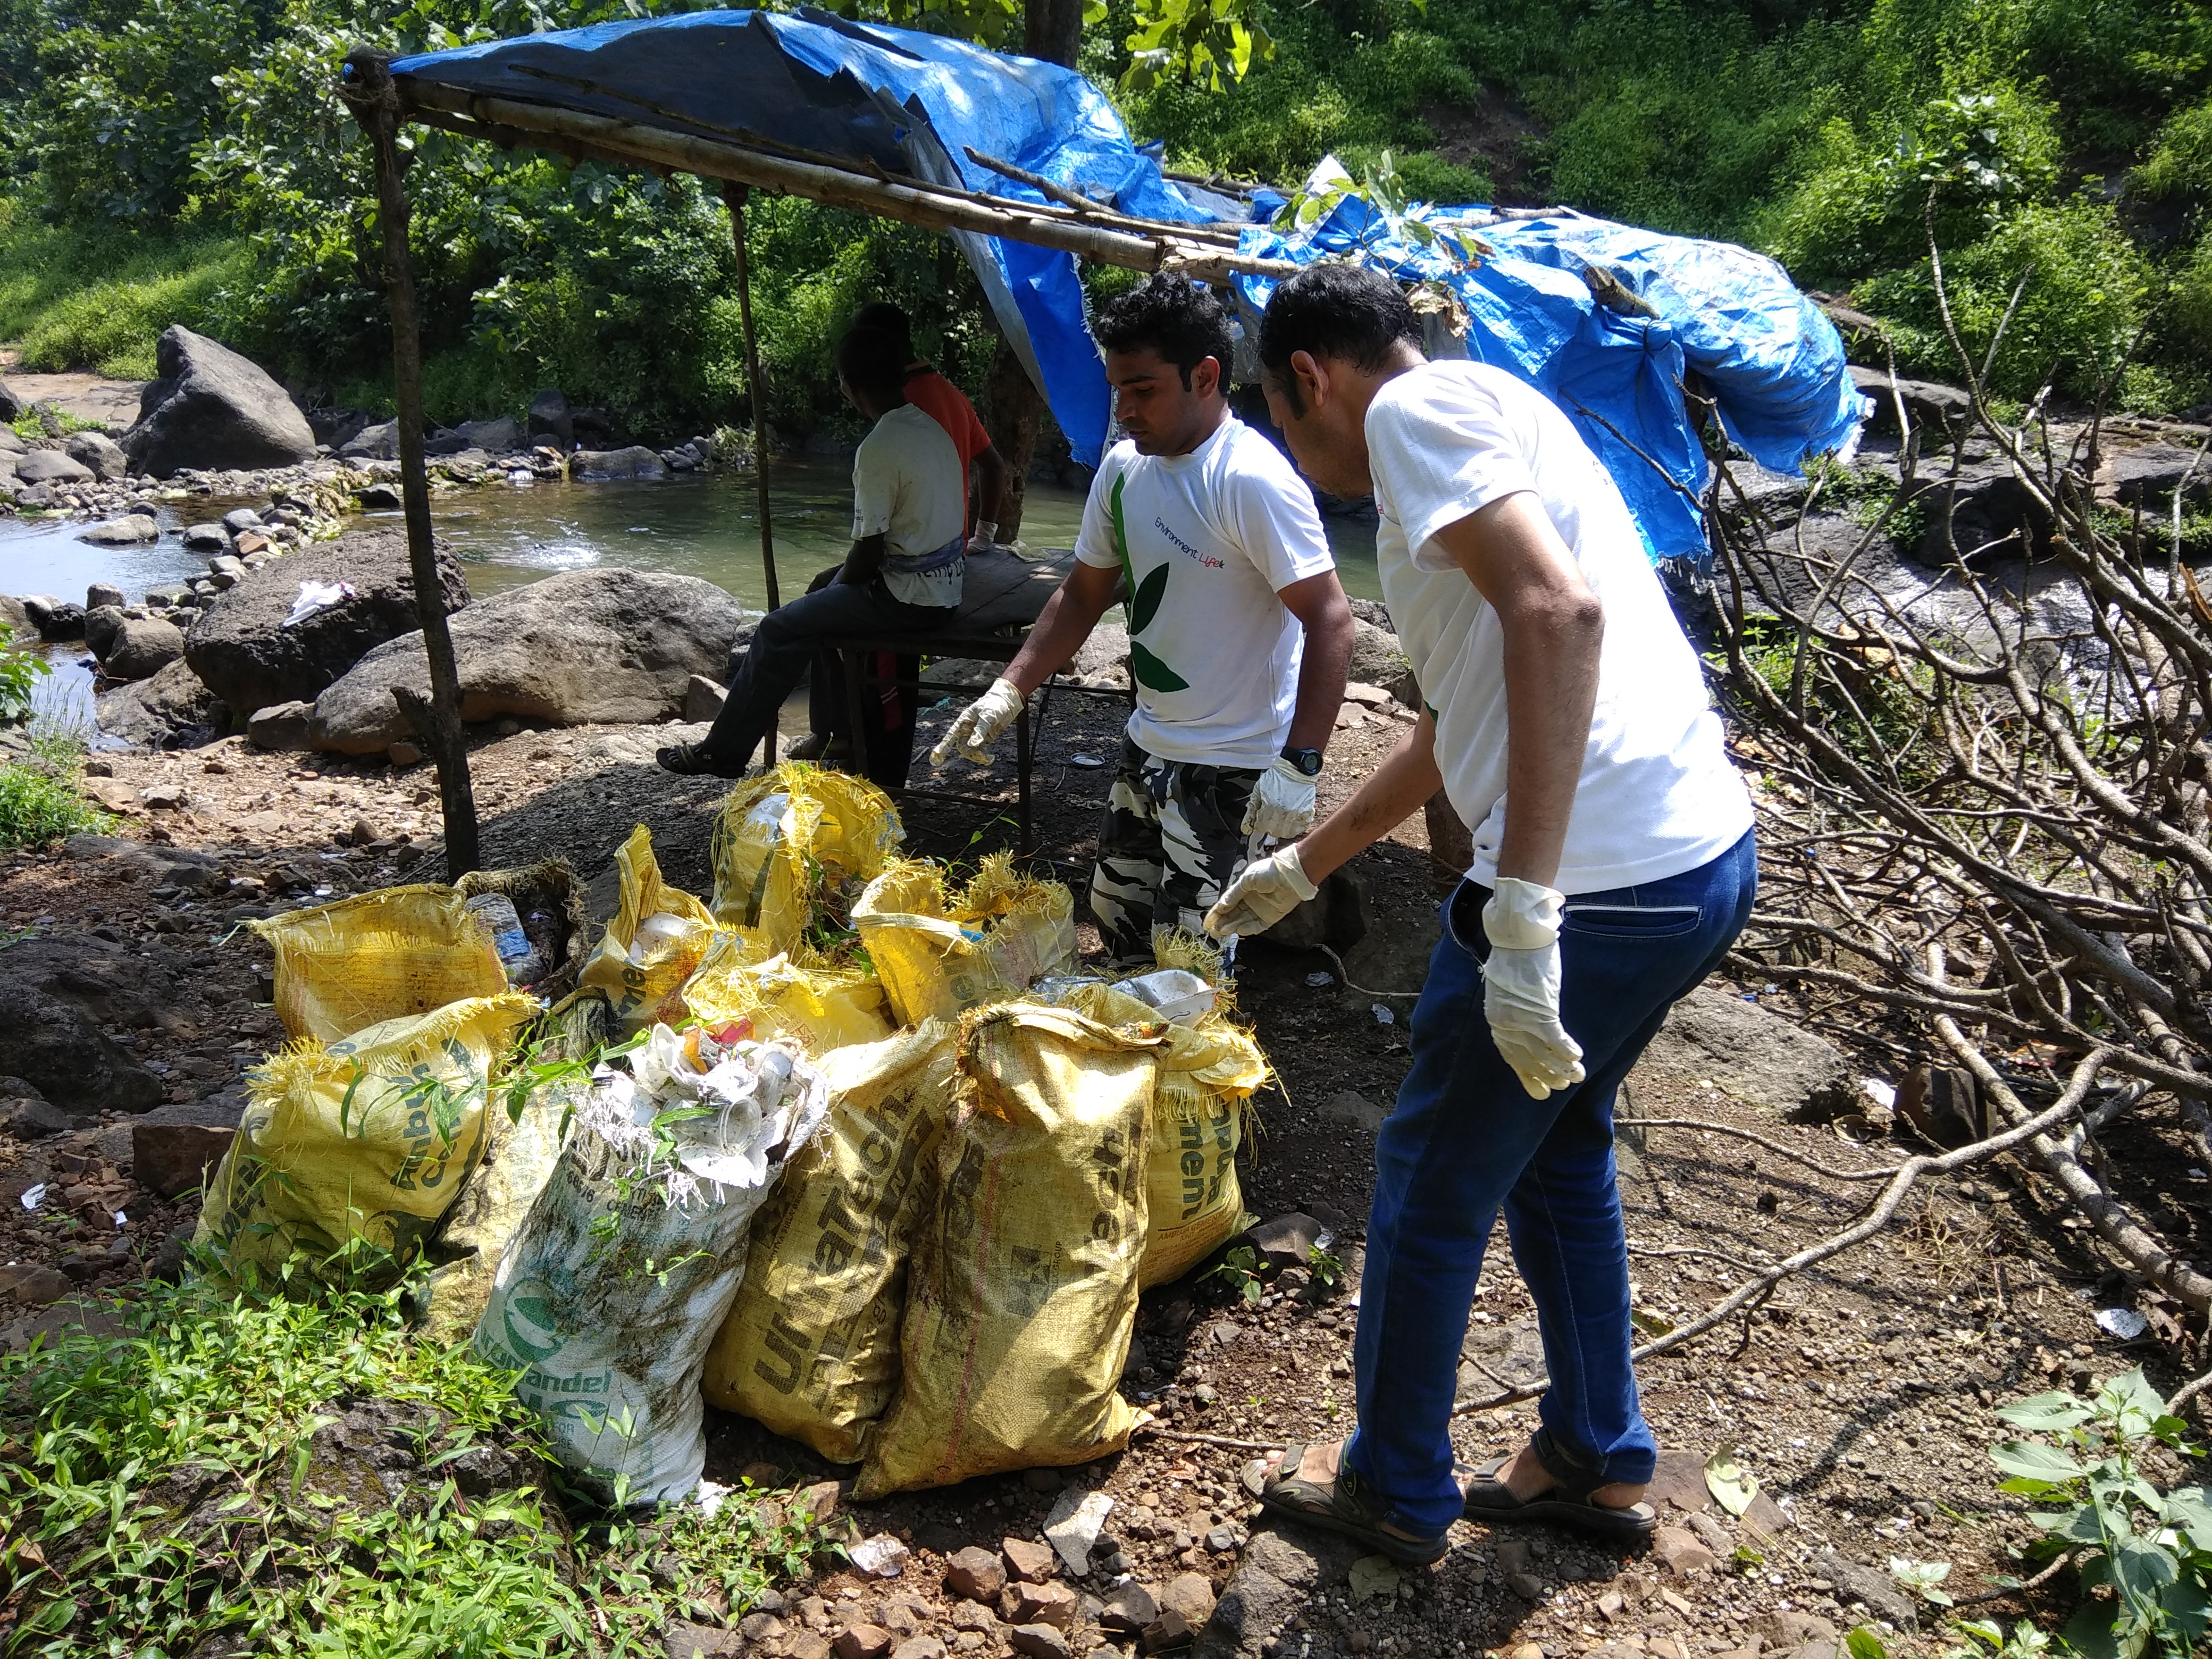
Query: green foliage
column 1194, row 42
column 1924, row 1578
column 1240, row 1271
column 163, row 1491
column 39, row 800
column 2151, row 1550
column 21, row 668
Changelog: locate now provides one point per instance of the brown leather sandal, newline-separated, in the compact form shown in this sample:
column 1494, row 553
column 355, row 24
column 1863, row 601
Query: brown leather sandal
column 1567, row 1504
column 1341, row 1506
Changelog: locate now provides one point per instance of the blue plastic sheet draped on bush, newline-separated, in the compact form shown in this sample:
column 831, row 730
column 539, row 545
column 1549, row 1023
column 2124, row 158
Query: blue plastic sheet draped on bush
column 908, row 103
column 1771, row 361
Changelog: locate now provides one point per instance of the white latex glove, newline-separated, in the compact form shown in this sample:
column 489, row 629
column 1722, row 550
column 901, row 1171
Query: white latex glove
column 1269, row 890
column 985, row 538
column 979, row 725
column 1282, row 803
column 1521, row 986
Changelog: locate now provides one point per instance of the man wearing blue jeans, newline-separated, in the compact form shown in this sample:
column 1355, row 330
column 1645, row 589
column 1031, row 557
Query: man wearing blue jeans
column 1567, row 722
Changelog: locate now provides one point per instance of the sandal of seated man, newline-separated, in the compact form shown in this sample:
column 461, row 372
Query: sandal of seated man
column 1567, row 1503
column 688, row 760
column 1340, row 1505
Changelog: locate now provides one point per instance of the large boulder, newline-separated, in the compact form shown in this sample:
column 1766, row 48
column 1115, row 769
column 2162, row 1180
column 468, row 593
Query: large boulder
column 142, row 649
column 131, row 530
column 549, row 418
column 57, row 995
column 1718, row 1036
column 586, row 646
column 241, row 648
column 208, row 407
column 600, row 465
column 500, row 436
column 174, row 710
column 11, row 403
column 380, row 443
column 1376, row 658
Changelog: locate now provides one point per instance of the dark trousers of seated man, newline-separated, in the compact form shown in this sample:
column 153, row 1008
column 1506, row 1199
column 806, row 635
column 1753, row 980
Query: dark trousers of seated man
column 789, row 641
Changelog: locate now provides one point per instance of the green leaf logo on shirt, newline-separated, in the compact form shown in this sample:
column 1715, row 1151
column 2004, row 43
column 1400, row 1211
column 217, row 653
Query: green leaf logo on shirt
column 1144, row 604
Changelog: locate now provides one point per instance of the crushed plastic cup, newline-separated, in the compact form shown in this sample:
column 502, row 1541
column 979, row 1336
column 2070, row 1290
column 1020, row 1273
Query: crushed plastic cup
column 1180, row 996
column 33, row 1196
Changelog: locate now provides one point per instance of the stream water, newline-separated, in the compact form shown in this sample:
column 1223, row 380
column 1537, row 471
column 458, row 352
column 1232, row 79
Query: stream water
column 506, row 536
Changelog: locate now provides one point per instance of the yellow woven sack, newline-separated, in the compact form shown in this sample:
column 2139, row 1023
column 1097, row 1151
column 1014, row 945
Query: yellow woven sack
column 818, row 1005
column 1022, row 1290
column 369, row 1138
column 938, row 955
column 386, row 955
column 810, row 1347
column 642, row 978
column 1208, row 1073
column 790, row 843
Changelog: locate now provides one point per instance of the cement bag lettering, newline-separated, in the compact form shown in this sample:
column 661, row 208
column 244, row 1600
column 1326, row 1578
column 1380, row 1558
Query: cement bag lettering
column 793, row 847
column 655, row 941
column 810, row 1347
column 1022, row 1290
column 818, row 1004
column 386, row 955
column 938, row 955
column 371, row 1138
column 617, row 1280
column 1208, row 1073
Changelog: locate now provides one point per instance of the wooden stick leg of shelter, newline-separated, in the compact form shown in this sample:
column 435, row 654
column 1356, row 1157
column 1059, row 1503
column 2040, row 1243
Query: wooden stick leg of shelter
column 368, row 92
column 733, row 197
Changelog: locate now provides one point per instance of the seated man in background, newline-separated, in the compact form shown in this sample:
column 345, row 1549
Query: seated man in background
column 948, row 405
column 1239, row 634
column 903, row 573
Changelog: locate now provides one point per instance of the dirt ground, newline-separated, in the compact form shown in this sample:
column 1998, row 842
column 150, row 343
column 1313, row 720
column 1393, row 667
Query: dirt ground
column 1859, row 1395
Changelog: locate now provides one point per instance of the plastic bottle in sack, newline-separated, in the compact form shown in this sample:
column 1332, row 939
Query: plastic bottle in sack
column 657, row 935
column 1180, row 996
column 516, row 954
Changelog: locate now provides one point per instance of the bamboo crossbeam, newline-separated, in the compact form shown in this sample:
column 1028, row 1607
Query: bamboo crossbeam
column 930, row 208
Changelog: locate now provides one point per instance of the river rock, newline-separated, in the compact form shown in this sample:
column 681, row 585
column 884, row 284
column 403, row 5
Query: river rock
column 1939, row 410
column 208, row 407
column 501, row 437
column 99, row 452
column 132, row 530
column 98, row 593
column 550, row 417
column 2147, row 477
column 599, row 646
column 174, row 1146
column 1984, row 516
column 1276, row 1576
column 55, row 619
column 205, row 538
column 380, row 443
column 59, row 996
column 143, row 649
column 600, row 465
column 51, row 466
column 174, row 710
column 11, row 402
column 281, row 726
column 1756, row 1055
column 11, row 442
column 240, row 647
column 1375, row 656
column 103, row 625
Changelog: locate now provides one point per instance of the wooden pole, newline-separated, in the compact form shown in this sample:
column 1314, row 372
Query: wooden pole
column 1167, row 247
column 733, row 197
column 368, row 92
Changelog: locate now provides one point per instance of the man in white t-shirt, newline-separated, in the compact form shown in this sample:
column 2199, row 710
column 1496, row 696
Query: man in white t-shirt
column 1239, row 636
column 904, row 573
column 1568, row 724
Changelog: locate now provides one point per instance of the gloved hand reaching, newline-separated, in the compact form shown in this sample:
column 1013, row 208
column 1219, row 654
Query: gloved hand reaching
column 1521, row 986
column 1269, row 890
column 979, row 725
column 985, row 538
column 1282, row 803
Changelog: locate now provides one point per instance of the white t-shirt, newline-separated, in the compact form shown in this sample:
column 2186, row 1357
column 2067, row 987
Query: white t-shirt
column 1658, row 796
column 1206, row 541
column 910, row 488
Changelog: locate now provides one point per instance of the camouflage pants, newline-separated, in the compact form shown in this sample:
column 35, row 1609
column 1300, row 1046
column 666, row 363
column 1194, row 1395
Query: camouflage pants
column 1172, row 839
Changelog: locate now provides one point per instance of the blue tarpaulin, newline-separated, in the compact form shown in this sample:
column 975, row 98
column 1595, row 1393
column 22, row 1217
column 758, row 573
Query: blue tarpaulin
column 1771, row 361
column 872, row 97
column 899, row 102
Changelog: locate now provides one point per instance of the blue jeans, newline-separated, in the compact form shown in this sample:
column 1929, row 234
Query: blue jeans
column 1464, row 1139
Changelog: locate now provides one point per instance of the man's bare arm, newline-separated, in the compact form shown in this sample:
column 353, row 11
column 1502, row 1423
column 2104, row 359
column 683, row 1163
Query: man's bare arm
column 1061, row 628
column 1318, row 603
column 866, row 559
column 990, row 485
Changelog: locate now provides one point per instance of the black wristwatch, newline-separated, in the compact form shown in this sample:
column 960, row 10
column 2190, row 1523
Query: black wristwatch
column 1308, row 761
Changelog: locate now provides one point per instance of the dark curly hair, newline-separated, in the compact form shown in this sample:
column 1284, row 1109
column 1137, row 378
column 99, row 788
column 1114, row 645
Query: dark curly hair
column 1352, row 313
column 1173, row 316
column 881, row 317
